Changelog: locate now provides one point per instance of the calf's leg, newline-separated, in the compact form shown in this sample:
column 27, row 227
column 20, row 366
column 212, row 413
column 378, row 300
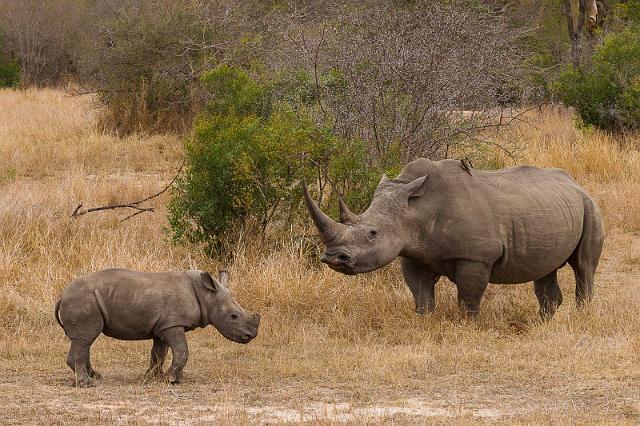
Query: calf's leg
column 176, row 339
column 83, row 330
column 78, row 361
column 158, row 355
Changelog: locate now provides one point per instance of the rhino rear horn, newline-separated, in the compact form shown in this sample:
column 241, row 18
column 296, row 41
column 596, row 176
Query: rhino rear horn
column 329, row 229
column 415, row 188
column 346, row 215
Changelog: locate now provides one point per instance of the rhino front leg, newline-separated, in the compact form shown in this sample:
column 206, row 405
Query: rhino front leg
column 471, row 279
column 422, row 283
column 175, row 337
column 158, row 355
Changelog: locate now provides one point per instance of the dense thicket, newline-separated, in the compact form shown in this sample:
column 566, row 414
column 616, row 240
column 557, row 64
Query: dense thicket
column 339, row 95
column 43, row 37
column 336, row 91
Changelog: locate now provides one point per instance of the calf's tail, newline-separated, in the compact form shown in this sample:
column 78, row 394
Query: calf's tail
column 57, row 313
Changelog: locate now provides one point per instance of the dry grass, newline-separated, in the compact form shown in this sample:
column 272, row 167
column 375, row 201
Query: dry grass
column 331, row 348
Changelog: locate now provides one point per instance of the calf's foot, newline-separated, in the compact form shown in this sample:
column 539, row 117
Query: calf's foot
column 153, row 373
column 84, row 382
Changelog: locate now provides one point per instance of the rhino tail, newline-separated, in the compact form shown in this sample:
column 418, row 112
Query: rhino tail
column 57, row 313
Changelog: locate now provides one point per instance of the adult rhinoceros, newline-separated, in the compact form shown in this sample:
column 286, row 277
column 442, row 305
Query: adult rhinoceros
column 507, row 226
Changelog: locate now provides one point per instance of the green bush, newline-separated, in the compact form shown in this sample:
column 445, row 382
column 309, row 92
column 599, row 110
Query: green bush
column 9, row 69
column 247, row 157
column 9, row 73
column 607, row 94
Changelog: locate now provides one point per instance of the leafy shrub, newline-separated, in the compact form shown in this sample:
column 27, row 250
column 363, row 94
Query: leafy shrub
column 9, row 69
column 9, row 73
column 247, row 157
column 607, row 95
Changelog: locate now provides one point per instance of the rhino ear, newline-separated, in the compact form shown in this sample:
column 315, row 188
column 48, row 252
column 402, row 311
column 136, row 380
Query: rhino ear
column 224, row 278
column 209, row 282
column 415, row 188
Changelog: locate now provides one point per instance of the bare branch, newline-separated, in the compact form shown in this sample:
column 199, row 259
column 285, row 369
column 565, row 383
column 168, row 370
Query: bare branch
column 133, row 205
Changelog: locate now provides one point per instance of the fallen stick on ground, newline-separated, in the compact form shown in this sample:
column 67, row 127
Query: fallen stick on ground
column 135, row 205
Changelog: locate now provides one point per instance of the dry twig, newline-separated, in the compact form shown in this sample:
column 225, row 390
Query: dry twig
column 134, row 205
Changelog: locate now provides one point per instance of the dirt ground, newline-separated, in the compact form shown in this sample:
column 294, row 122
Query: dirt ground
column 593, row 378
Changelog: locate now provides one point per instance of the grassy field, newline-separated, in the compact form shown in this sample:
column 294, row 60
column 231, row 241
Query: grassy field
column 331, row 348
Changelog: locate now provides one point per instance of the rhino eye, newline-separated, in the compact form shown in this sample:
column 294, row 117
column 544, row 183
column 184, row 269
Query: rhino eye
column 372, row 235
column 234, row 316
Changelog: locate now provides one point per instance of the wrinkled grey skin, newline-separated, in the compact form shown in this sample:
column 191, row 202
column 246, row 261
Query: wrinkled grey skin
column 507, row 226
column 132, row 305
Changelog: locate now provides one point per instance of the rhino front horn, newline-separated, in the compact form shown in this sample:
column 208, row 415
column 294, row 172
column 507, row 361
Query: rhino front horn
column 329, row 229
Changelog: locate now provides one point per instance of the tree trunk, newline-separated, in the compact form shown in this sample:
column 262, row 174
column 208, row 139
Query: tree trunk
column 575, row 29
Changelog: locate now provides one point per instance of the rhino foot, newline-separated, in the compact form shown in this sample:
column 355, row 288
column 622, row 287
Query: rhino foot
column 85, row 382
column 95, row 375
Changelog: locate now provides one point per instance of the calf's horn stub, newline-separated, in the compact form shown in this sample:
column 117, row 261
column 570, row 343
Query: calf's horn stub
column 224, row 278
column 329, row 229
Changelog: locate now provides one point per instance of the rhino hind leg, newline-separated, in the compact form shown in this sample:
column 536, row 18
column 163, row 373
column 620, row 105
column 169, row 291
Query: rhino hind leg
column 176, row 339
column 549, row 295
column 586, row 256
column 421, row 283
column 471, row 279
column 78, row 359
column 82, row 328
column 158, row 355
column 93, row 373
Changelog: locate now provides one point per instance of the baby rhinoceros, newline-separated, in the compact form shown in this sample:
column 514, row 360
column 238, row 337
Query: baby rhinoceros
column 132, row 305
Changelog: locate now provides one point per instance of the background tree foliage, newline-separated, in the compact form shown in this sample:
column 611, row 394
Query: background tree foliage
column 269, row 92
column 606, row 94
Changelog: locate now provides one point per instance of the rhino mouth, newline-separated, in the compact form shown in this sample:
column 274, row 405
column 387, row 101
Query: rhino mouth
column 339, row 261
column 245, row 337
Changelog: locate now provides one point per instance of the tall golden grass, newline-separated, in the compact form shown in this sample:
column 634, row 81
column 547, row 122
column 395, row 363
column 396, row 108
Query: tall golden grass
column 326, row 338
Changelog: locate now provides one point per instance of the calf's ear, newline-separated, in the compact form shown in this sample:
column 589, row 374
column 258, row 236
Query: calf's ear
column 224, row 278
column 209, row 282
